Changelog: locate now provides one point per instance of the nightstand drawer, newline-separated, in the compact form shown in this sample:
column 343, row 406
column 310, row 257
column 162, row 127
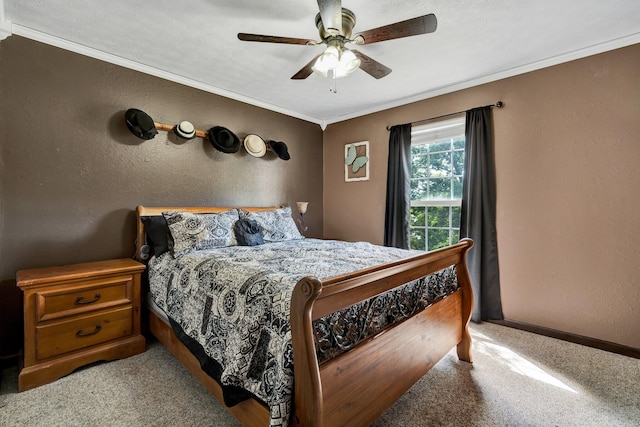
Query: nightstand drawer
column 92, row 295
column 66, row 336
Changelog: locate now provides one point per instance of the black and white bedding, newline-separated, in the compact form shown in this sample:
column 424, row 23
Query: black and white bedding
column 232, row 303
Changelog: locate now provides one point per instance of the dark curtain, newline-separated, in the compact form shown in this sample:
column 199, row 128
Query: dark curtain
column 396, row 219
column 478, row 216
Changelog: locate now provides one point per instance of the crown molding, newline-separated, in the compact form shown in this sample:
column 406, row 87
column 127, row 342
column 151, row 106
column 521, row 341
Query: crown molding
column 7, row 28
column 548, row 62
column 133, row 65
column 5, row 25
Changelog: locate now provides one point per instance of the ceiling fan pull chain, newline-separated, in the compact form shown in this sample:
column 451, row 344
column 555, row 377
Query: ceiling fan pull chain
column 333, row 87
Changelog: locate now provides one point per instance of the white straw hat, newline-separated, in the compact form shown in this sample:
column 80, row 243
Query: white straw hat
column 255, row 145
column 185, row 130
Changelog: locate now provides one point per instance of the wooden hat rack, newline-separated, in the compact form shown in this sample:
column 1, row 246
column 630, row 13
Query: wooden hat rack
column 139, row 123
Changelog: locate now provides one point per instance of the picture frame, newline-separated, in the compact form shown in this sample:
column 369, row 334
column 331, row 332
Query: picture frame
column 356, row 161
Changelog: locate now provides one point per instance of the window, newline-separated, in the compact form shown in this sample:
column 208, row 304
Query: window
column 437, row 166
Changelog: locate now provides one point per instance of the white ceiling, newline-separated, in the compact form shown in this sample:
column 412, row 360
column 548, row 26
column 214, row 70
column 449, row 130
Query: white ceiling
column 194, row 42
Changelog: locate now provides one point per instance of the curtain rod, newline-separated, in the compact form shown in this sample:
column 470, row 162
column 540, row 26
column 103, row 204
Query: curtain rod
column 498, row 104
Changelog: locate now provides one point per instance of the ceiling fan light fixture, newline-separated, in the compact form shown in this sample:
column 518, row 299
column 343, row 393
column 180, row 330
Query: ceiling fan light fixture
column 336, row 62
column 348, row 64
column 328, row 61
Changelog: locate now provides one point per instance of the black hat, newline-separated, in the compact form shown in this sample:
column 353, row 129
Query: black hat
column 280, row 148
column 224, row 140
column 140, row 124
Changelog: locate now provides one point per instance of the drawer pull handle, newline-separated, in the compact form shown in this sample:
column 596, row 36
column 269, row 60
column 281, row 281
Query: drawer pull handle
column 79, row 300
column 86, row 334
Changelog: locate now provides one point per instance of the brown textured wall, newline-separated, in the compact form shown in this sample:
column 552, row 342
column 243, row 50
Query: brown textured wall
column 568, row 172
column 71, row 174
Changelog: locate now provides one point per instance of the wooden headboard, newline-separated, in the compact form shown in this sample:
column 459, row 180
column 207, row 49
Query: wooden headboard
column 142, row 211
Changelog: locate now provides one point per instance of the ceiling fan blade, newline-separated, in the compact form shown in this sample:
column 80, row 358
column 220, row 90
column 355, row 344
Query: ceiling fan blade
column 306, row 70
column 274, row 39
column 411, row 27
column 331, row 15
column 371, row 66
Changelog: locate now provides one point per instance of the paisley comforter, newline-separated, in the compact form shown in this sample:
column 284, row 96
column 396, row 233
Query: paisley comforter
column 233, row 303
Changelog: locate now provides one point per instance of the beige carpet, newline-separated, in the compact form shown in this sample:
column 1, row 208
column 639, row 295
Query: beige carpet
column 517, row 379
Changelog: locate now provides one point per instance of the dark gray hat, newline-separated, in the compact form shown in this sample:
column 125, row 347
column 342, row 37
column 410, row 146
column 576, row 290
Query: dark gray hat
column 280, row 148
column 140, row 124
column 224, row 140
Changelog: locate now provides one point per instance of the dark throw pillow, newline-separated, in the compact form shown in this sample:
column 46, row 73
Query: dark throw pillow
column 248, row 232
column 158, row 236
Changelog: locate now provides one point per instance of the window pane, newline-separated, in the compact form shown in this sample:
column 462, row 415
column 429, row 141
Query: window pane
column 440, row 188
column 419, row 189
column 440, row 164
column 417, row 216
column 458, row 143
column 420, row 166
column 455, row 236
column 438, row 216
column 458, row 162
column 438, row 239
column 418, row 150
column 457, row 188
column 455, row 217
column 417, row 239
column 440, row 146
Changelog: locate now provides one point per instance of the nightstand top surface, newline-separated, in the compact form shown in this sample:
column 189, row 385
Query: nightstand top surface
column 38, row 276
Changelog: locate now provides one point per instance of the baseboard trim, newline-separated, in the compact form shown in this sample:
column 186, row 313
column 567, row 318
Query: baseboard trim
column 574, row 338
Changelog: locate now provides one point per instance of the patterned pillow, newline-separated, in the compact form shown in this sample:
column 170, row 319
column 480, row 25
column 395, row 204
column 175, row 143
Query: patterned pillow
column 277, row 224
column 220, row 227
column 198, row 232
column 187, row 230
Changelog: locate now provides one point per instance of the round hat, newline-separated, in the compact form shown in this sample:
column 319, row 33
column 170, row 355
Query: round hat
column 185, row 130
column 140, row 124
column 255, row 145
column 224, row 140
column 280, row 148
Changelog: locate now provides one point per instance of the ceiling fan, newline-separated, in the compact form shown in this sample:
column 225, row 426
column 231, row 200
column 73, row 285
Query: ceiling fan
column 335, row 25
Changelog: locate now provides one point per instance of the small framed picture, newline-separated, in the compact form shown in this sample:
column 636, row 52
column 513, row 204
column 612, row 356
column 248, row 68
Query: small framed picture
column 356, row 161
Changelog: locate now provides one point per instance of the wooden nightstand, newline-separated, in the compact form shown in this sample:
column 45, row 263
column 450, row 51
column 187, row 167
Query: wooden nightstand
column 78, row 314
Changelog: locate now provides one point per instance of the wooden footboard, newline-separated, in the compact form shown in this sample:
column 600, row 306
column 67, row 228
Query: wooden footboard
column 357, row 386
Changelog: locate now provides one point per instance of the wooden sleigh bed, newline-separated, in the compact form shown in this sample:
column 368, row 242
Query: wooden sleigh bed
column 357, row 386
